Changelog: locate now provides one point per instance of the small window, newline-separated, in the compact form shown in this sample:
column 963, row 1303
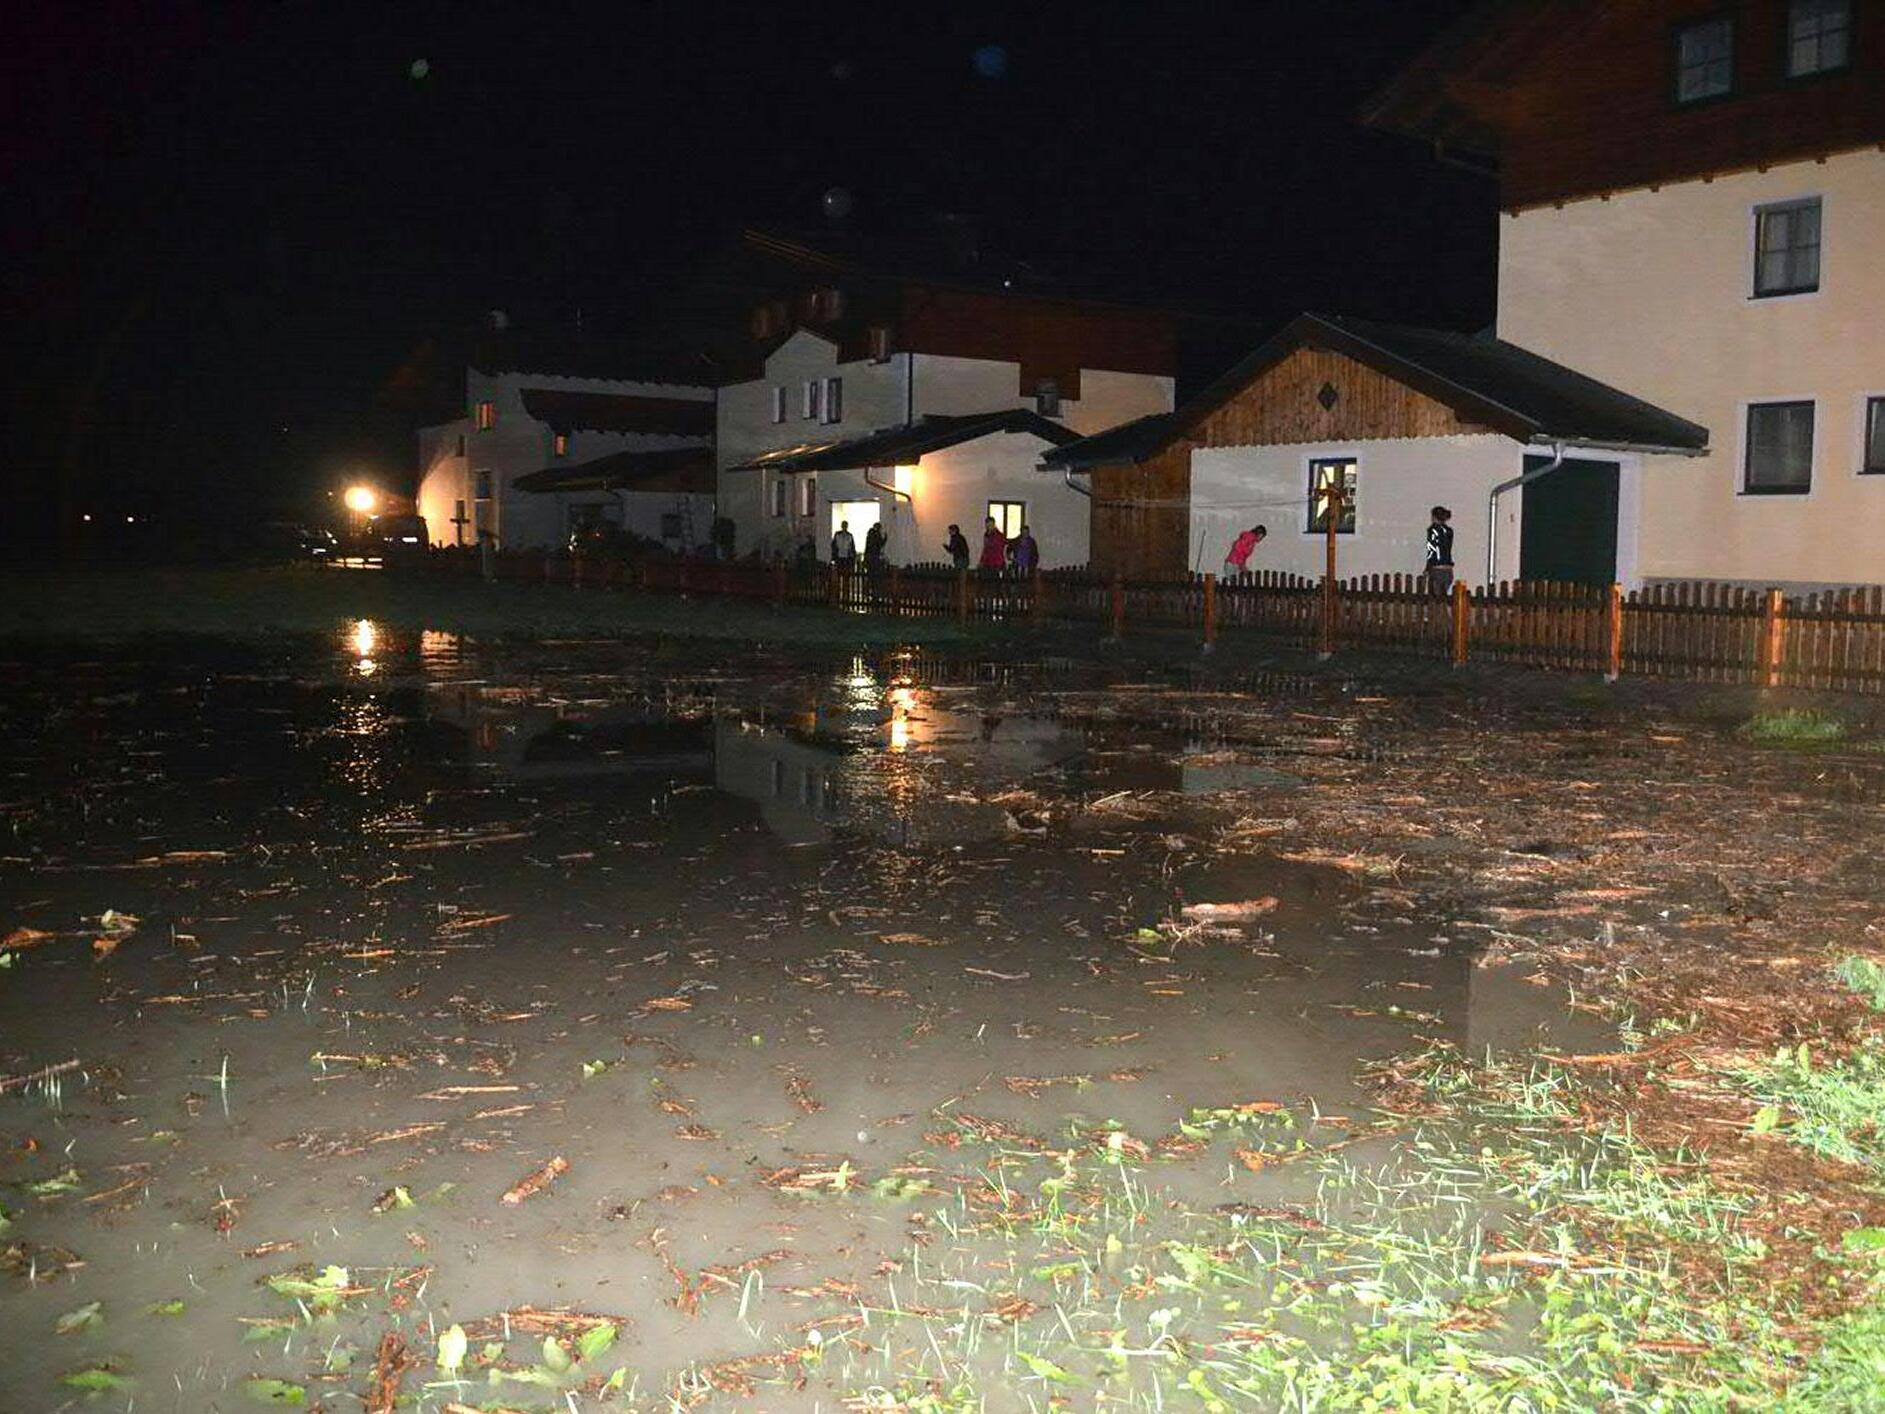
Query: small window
column 1047, row 397
column 1326, row 475
column 778, row 403
column 559, row 444
column 812, row 402
column 487, row 415
column 1780, row 449
column 880, row 343
column 1819, row 36
column 1787, row 248
column 1705, row 60
column 461, row 445
column 1009, row 516
column 482, row 490
column 808, row 495
column 834, row 400
column 778, row 495
column 762, row 322
column 831, row 304
column 1875, row 436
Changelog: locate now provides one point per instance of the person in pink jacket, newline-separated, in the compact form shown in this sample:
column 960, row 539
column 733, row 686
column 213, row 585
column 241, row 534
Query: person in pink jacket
column 1238, row 560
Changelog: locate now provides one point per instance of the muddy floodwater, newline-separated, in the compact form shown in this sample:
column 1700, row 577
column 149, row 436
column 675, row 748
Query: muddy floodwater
column 764, row 994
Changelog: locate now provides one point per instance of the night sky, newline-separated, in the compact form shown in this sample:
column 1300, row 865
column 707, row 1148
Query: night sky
column 238, row 238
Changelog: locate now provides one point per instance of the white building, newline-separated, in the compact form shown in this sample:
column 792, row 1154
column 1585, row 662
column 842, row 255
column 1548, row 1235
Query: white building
column 539, row 454
column 1694, row 209
column 974, row 385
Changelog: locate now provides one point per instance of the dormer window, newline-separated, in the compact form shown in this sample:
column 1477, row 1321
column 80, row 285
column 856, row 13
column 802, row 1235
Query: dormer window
column 1047, row 397
column 880, row 343
column 486, row 415
column 762, row 321
column 559, row 444
column 1705, row 60
column 1819, row 36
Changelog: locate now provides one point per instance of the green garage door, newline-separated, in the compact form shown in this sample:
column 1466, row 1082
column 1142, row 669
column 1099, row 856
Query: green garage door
column 1569, row 531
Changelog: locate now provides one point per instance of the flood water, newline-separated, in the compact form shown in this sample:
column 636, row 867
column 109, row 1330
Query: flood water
column 351, row 937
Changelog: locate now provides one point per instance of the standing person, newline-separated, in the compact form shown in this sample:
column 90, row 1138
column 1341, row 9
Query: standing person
column 1237, row 561
column 1024, row 552
column 994, row 547
column 874, row 548
column 843, row 547
column 958, row 548
column 1440, row 551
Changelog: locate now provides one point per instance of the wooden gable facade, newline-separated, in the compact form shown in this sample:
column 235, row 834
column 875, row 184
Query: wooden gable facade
column 1141, row 527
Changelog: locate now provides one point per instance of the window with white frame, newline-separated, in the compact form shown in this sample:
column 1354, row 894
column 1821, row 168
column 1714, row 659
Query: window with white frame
column 1819, row 36
column 486, row 415
column 811, row 402
column 1787, row 248
column 1779, row 449
column 833, row 410
column 1874, row 463
column 808, row 495
column 1705, row 60
column 778, row 495
column 1327, row 477
column 778, row 403
column 1009, row 516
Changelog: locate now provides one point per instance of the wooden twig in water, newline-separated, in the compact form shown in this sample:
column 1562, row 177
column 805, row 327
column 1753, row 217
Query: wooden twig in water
column 17, row 1082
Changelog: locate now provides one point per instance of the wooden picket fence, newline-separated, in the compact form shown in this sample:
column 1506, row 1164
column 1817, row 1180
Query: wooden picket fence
column 1695, row 632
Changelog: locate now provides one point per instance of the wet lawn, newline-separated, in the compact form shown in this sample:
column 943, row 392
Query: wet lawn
column 388, row 1017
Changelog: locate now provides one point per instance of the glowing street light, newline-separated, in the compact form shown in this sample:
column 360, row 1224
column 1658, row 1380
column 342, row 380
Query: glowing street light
column 362, row 499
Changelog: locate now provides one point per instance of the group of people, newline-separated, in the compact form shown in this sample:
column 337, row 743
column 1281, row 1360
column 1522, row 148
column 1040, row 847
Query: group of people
column 1021, row 554
column 1439, row 562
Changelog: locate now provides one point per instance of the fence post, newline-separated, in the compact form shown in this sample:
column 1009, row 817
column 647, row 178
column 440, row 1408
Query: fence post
column 1037, row 607
column 1462, row 611
column 1325, row 645
column 1119, row 608
column 896, row 590
column 962, row 595
column 1210, row 611
column 1613, row 633
column 1773, row 637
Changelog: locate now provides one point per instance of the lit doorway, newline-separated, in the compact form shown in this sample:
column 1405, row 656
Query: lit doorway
column 859, row 515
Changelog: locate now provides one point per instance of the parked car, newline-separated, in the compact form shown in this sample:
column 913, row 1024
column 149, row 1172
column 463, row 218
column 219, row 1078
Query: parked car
column 290, row 540
column 397, row 539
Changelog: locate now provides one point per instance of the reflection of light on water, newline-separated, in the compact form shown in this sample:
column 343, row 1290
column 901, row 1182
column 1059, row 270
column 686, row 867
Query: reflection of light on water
column 364, row 726
column 439, row 652
column 899, row 733
column 363, row 638
column 901, row 700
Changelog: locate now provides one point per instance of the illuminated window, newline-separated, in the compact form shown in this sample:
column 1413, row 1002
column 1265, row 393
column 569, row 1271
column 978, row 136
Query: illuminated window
column 778, row 403
column 1819, row 36
column 1780, row 449
column 834, row 400
column 1705, row 60
column 1328, row 474
column 487, row 415
column 1787, row 248
column 1009, row 516
column 1875, row 436
column 880, row 343
column 559, row 444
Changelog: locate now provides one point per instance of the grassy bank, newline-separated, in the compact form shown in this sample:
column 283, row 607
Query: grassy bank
column 111, row 605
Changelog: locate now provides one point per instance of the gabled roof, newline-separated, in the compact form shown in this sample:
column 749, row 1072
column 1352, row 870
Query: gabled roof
column 1486, row 380
column 619, row 412
column 676, row 469
column 900, row 446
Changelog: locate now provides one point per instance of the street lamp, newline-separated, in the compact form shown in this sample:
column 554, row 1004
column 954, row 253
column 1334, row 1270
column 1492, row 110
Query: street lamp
column 362, row 499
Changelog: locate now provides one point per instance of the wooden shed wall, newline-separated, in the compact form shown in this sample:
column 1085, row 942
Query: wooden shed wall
column 1281, row 406
column 1141, row 516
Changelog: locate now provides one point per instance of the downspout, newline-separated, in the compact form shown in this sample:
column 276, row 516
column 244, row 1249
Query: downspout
column 909, row 388
column 1524, row 478
column 872, row 482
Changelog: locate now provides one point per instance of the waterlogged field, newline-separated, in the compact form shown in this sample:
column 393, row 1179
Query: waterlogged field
column 387, row 1022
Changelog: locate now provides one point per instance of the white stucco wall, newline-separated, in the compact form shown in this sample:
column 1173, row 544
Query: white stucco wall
column 519, row 444
column 877, row 396
column 1397, row 484
column 445, row 483
column 1650, row 291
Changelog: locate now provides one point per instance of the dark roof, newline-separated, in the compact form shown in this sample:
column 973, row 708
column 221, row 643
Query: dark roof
column 1487, row 380
column 900, row 446
column 620, row 412
column 574, row 353
column 677, row 469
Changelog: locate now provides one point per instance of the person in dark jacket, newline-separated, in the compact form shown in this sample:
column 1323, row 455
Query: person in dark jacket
column 1440, row 551
column 1024, row 552
column 874, row 540
column 958, row 548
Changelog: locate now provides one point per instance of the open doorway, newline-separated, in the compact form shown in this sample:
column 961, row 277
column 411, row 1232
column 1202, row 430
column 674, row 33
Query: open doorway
column 859, row 515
